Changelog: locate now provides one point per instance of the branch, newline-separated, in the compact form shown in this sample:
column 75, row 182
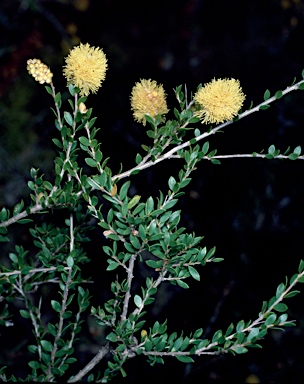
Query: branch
column 19, row 288
column 128, row 294
column 63, row 304
column 38, row 207
column 169, row 154
column 258, row 321
column 96, row 359
column 262, row 156
column 32, row 271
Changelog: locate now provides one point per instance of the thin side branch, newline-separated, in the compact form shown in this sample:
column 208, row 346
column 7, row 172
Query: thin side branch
column 96, row 359
column 128, row 293
column 169, row 154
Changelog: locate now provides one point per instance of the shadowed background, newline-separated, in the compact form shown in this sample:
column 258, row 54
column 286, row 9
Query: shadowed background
column 251, row 209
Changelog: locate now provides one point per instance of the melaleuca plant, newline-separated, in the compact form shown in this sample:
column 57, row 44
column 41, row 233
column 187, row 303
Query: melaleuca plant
column 137, row 232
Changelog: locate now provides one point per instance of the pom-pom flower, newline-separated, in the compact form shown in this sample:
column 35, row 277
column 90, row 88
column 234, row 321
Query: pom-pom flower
column 148, row 98
column 85, row 68
column 220, row 100
column 39, row 71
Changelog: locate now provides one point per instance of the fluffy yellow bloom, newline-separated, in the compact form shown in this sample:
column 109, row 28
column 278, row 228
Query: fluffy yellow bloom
column 148, row 98
column 85, row 68
column 220, row 100
column 39, row 71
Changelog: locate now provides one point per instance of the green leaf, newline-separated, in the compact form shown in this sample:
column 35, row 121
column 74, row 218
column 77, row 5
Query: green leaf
column 112, row 337
column 240, row 325
column 24, row 221
column 184, row 359
column 18, row 208
column 266, row 94
column 193, row 272
column 264, row 107
column 124, row 190
column 154, row 264
column 70, row 261
column 57, row 98
column 198, row 333
column 135, row 242
column 52, row 329
column 90, row 162
column 46, row 345
column 229, row 330
column 205, row 148
column 34, row 364
column 3, row 214
column 280, row 307
column 177, row 344
column 170, row 204
column 148, row 345
column 138, row 301
column 55, row 305
column 182, row 284
column 253, row 333
column 133, row 201
column 138, row 158
column 149, row 205
column 278, row 94
column 98, row 156
column 13, row 257
column 171, row 183
column 280, row 290
column 92, row 122
column 49, row 89
column 84, row 141
column 71, row 89
column 301, row 266
column 210, row 253
column 297, row 150
column 57, row 143
column 68, row 118
column 240, row 350
column 291, row 294
column 215, row 161
column 185, row 182
column 293, row 156
column 113, row 265
column 217, row 336
column 271, row 319
column 271, row 149
column 25, row 314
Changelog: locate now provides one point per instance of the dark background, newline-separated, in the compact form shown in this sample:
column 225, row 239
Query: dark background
column 251, row 209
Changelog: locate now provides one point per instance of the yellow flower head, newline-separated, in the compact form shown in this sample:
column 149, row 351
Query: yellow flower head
column 85, row 68
column 220, row 100
column 39, row 71
column 148, row 98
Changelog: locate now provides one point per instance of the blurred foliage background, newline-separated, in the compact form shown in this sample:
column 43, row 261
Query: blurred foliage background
column 251, row 209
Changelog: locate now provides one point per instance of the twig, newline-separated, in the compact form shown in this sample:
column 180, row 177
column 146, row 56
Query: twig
column 96, row 359
column 168, row 155
column 128, row 294
column 63, row 304
column 32, row 271
column 262, row 156
column 18, row 286
column 258, row 321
